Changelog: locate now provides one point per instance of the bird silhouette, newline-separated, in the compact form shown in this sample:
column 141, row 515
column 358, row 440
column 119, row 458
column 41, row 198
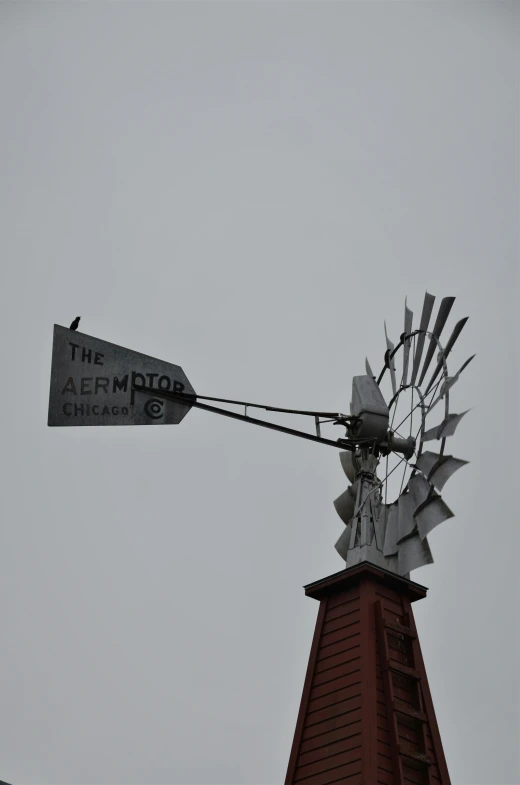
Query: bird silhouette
column 74, row 325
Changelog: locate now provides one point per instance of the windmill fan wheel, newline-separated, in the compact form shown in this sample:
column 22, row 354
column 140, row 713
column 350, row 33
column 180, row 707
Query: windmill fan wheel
column 391, row 421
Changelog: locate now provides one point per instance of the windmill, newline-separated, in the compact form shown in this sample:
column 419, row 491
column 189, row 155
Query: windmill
column 390, row 533
column 366, row 714
column 388, row 430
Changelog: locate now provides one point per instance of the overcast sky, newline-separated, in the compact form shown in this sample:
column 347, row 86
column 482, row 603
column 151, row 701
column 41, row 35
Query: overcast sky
column 247, row 190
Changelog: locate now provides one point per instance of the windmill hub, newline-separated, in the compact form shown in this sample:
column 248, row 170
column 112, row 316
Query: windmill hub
column 405, row 447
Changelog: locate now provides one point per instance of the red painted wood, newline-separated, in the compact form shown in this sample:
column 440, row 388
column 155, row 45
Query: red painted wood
column 347, row 730
column 305, row 695
column 368, row 645
column 432, row 728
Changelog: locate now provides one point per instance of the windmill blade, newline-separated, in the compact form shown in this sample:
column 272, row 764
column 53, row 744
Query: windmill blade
column 429, row 300
column 413, row 553
column 390, row 349
column 450, row 381
column 343, row 544
column 438, row 468
column 435, row 511
column 447, row 466
column 345, row 505
column 406, row 521
column 420, row 490
column 347, row 465
column 408, row 319
column 392, row 532
column 426, row 462
column 368, row 369
column 447, row 427
column 444, row 312
column 449, row 346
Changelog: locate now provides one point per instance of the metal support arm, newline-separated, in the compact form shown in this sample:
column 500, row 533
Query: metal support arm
column 190, row 400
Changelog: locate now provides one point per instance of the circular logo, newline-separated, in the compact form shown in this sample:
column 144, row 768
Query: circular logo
column 153, row 408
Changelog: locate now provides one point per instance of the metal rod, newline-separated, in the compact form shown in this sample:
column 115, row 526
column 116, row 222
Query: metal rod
column 335, row 415
column 189, row 400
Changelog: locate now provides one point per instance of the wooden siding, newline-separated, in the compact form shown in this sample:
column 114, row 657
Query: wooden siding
column 348, row 730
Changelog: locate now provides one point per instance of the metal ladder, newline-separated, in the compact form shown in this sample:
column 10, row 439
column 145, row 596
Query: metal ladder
column 407, row 718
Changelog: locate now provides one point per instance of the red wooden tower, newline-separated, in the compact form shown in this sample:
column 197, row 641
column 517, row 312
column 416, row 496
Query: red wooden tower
column 366, row 715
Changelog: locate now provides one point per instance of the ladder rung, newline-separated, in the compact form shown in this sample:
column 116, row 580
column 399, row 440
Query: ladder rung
column 418, row 757
column 404, row 670
column 415, row 714
column 395, row 626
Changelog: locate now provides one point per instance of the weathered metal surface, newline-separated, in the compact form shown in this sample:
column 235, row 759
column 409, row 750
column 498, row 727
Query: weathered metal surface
column 391, row 365
column 408, row 319
column 93, row 381
column 343, row 543
column 413, row 553
column 406, row 522
column 444, row 312
column 445, row 468
column 435, row 511
column 444, row 354
column 429, row 300
column 439, row 468
column 369, row 406
column 379, row 524
column 450, row 381
column 426, row 462
column 420, row 489
column 347, row 465
column 446, row 428
column 345, row 505
column 392, row 530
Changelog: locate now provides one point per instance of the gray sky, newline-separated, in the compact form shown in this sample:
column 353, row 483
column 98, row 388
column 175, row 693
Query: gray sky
column 247, row 190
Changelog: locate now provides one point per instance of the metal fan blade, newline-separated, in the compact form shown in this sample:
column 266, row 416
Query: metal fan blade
column 438, row 468
column 347, row 465
column 429, row 300
column 343, row 544
column 447, row 349
column 435, row 511
column 408, row 319
column 450, row 381
column 413, row 553
column 447, row 427
column 444, row 312
column 390, row 349
column 345, row 506
column 448, row 465
column 420, row 489
column 406, row 521
column 391, row 533
column 368, row 369
column 426, row 462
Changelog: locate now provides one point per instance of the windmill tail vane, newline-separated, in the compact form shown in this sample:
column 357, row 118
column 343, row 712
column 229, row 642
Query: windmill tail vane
column 394, row 535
